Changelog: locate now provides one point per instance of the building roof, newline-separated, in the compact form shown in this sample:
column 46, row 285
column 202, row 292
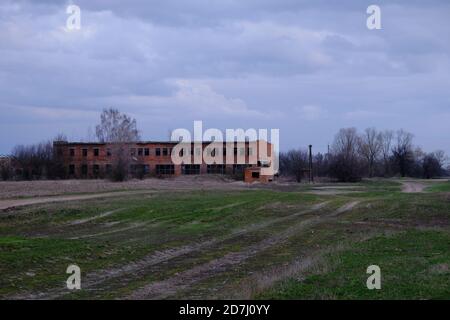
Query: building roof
column 138, row 142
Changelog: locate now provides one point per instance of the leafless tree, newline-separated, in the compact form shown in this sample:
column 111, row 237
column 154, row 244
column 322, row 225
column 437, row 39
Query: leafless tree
column 386, row 144
column 369, row 146
column 38, row 161
column 116, row 127
column 119, row 130
column 345, row 164
column 403, row 151
column 293, row 163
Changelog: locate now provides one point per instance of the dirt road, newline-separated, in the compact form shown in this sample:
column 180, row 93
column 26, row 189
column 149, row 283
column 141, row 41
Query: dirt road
column 12, row 203
column 413, row 187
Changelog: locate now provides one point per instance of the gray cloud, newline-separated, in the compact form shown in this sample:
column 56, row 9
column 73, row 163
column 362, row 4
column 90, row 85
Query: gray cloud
column 306, row 67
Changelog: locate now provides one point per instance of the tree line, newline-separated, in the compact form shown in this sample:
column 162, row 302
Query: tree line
column 41, row 161
column 352, row 155
column 371, row 153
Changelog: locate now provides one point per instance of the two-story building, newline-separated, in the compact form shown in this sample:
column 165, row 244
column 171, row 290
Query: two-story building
column 251, row 159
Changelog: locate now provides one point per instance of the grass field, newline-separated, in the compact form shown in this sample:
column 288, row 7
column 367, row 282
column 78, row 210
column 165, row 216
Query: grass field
column 295, row 242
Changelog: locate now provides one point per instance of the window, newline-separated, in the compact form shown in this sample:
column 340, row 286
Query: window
column 215, row 169
column 85, row 152
column 164, row 151
column 190, row 169
column 84, row 169
column 158, row 152
column 133, row 152
column 165, row 169
column 224, row 150
column 71, row 169
column 108, row 152
column 72, row 152
column 96, row 170
column 96, row 152
column 146, row 169
column 108, row 168
column 239, row 168
column 235, row 151
column 146, row 151
column 255, row 174
column 140, row 152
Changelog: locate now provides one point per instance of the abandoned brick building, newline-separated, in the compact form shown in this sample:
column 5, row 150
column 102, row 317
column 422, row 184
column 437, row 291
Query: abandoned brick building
column 154, row 158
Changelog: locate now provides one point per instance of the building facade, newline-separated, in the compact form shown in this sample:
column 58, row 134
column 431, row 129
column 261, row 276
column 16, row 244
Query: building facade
column 251, row 160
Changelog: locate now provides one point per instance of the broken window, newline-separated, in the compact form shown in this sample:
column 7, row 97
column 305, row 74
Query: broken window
column 158, row 152
column 190, row 169
column 215, row 169
column 108, row 152
column 146, row 151
column 96, row 152
column 164, row 151
column 72, row 152
column 239, row 168
column 140, row 152
column 133, row 152
column 85, row 152
column 96, row 170
column 165, row 169
column 255, row 174
column 108, row 168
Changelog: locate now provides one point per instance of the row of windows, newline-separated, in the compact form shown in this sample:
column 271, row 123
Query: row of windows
column 163, row 152
column 162, row 169
column 134, row 169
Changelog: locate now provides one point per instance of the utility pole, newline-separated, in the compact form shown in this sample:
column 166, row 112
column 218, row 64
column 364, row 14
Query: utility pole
column 311, row 177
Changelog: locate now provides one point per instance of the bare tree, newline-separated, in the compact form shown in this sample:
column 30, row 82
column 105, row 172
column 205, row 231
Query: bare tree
column 116, row 127
column 386, row 144
column 403, row 152
column 345, row 164
column 119, row 130
column 38, row 161
column 369, row 146
column 294, row 163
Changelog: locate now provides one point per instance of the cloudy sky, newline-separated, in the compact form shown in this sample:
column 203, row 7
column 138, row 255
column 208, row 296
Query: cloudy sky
column 305, row 67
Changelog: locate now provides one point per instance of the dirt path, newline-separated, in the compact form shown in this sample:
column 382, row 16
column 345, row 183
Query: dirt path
column 95, row 278
column 93, row 218
column 183, row 280
column 413, row 187
column 13, row 203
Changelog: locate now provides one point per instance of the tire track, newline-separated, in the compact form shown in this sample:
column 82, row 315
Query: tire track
column 95, row 278
column 184, row 280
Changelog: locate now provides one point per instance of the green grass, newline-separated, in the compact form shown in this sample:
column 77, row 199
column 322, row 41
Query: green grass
column 440, row 187
column 36, row 244
column 414, row 265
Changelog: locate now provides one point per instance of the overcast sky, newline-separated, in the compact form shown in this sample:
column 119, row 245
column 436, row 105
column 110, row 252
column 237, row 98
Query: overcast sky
column 305, row 67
